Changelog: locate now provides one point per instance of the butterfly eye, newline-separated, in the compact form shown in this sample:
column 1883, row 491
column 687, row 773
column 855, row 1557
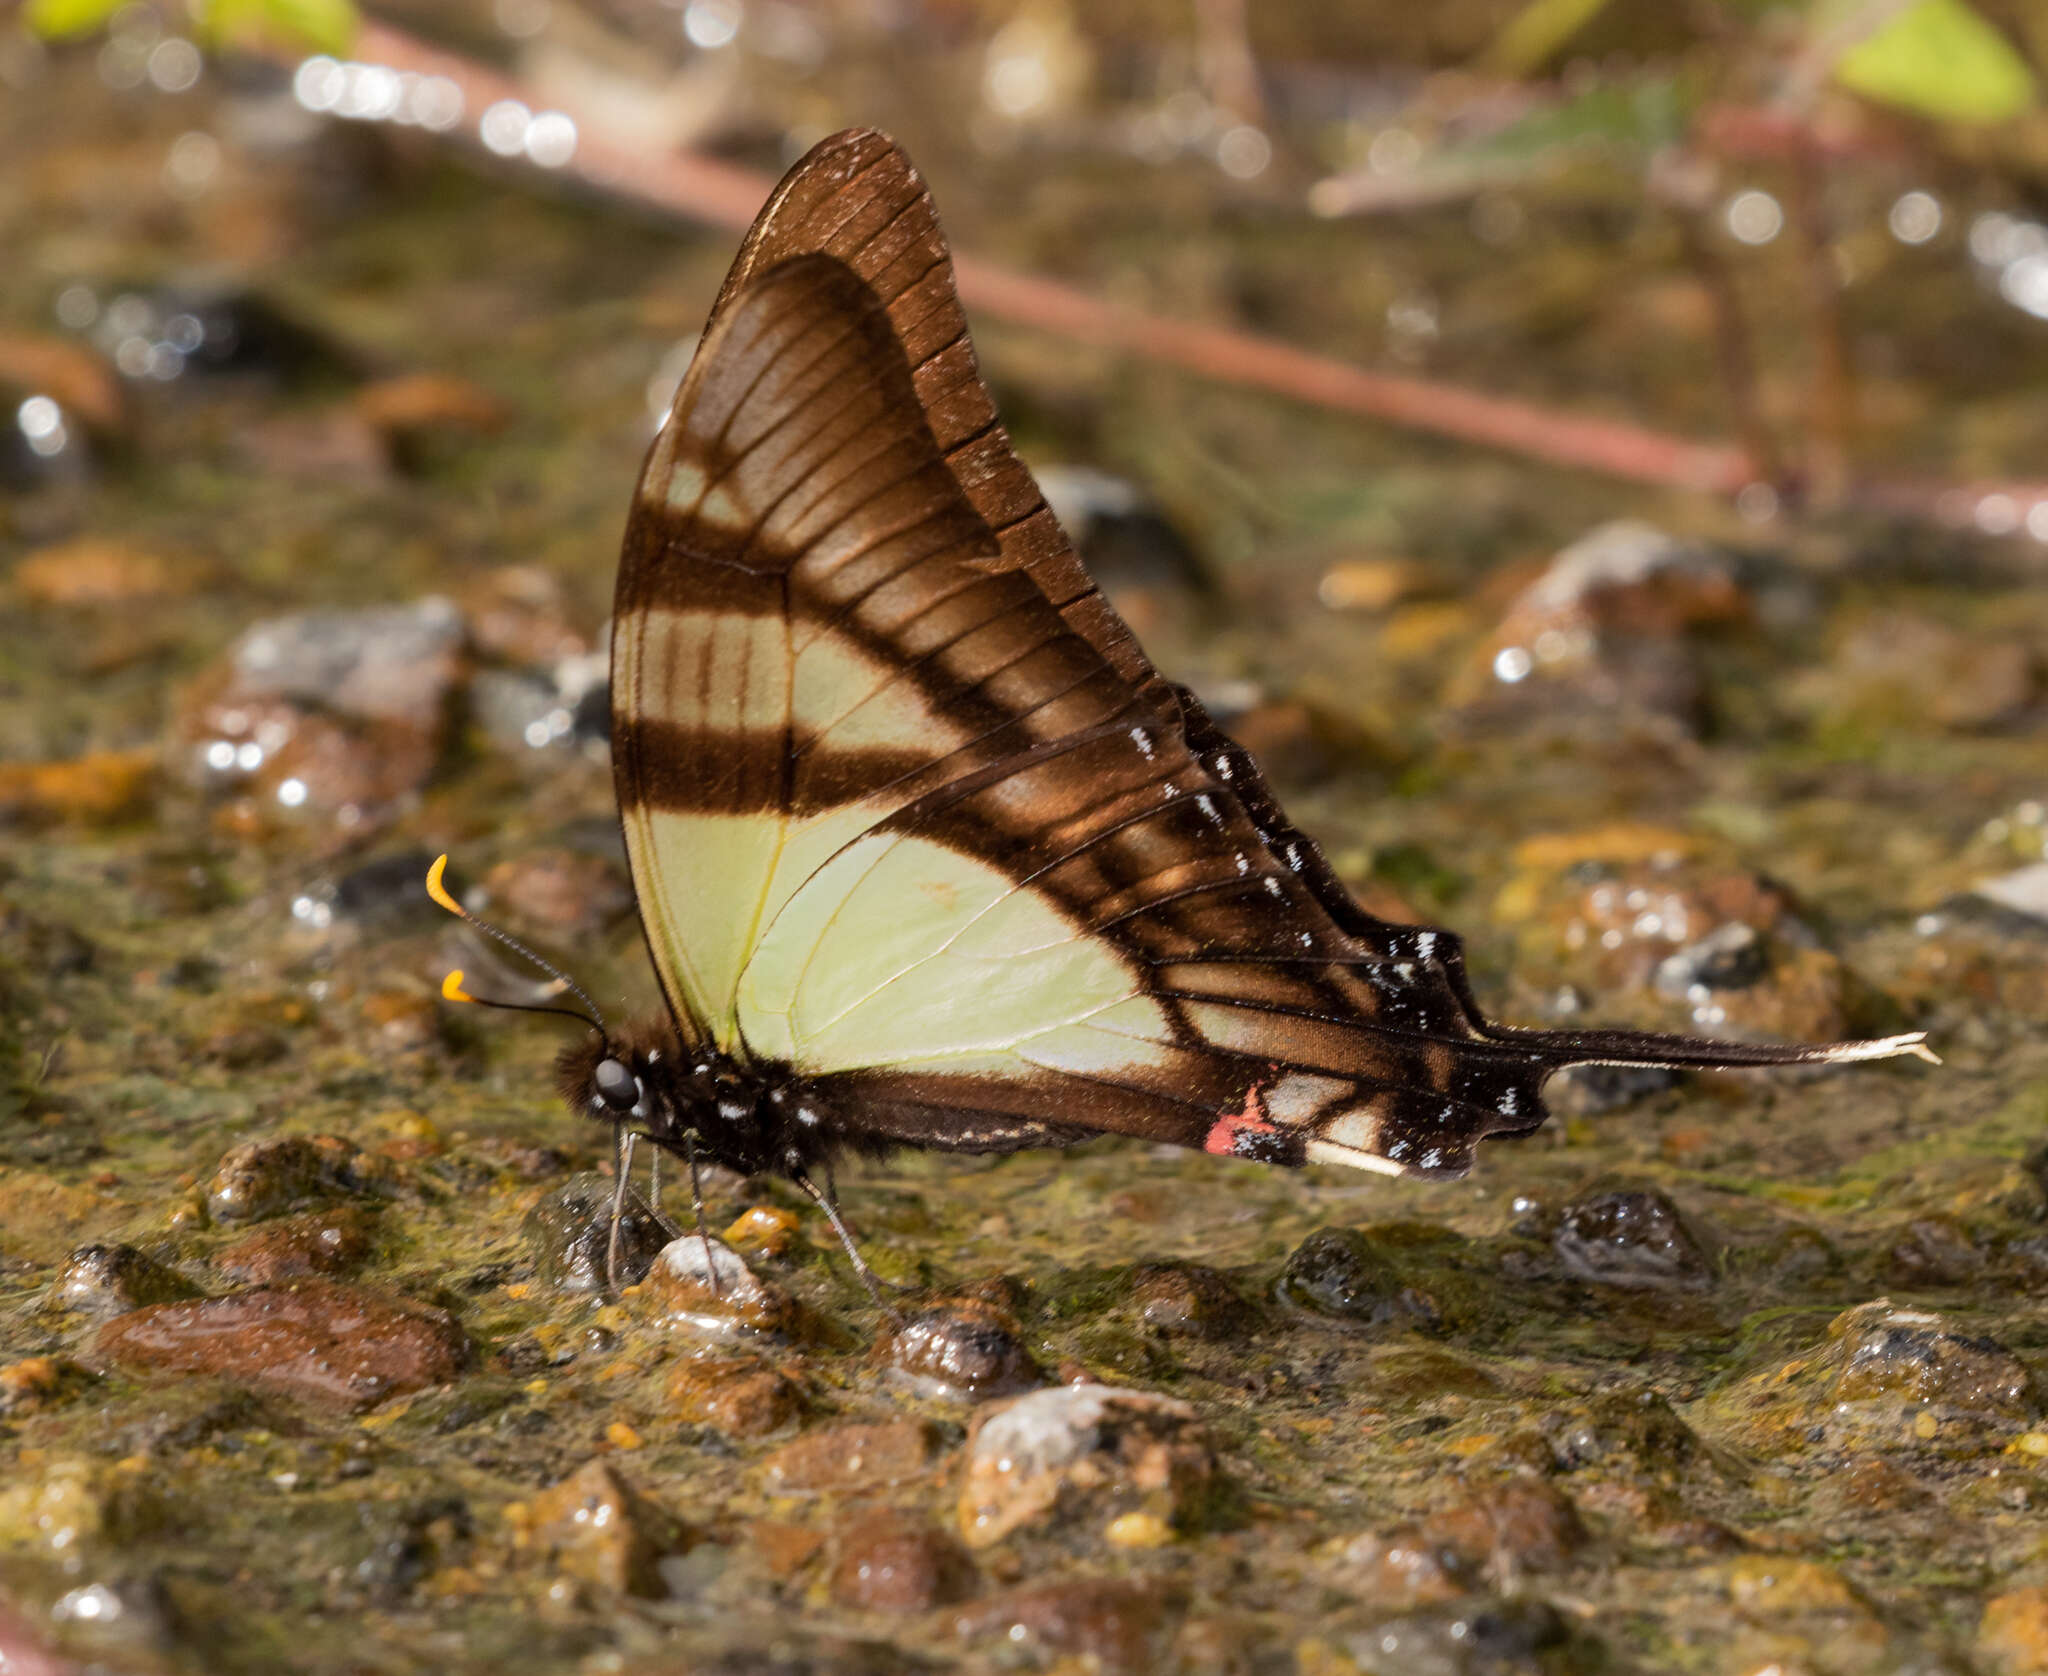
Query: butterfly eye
column 617, row 1087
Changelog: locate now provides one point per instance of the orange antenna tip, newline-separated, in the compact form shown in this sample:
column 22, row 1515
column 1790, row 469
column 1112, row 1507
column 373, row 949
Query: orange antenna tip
column 451, row 985
column 439, row 892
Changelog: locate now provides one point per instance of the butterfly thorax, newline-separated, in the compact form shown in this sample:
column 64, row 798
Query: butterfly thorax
column 750, row 1116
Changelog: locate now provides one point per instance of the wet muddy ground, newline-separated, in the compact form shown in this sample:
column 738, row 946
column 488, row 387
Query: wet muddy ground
column 303, row 1360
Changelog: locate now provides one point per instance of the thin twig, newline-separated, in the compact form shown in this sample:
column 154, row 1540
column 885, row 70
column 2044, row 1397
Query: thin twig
column 720, row 194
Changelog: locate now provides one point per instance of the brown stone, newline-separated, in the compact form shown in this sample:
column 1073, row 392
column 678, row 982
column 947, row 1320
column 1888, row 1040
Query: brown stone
column 1403, row 1567
column 559, row 894
column 1086, row 1453
column 107, row 1280
column 1932, row 1251
column 1607, row 628
column 330, row 1242
column 893, row 1561
column 70, row 372
column 423, row 401
column 323, row 713
column 701, row 1284
column 1118, row 1625
column 768, row 1229
column 321, row 1342
column 1631, row 1238
column 738, row 1395
column 1771, row 1585
column 260, row 1178
column 99, row 789
column 517, row 613
column 1375, row 584
column 1522, row 1525
column 1912, row 1356
column 94, row 571
column 851, row 1458
column 403, row 1021
column 785, row 1548
column 2012, row 1636
column 596, row 1529
column 1187, row 1300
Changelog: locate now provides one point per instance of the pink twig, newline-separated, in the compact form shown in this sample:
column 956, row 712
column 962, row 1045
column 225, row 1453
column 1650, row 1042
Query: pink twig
column 724, row 195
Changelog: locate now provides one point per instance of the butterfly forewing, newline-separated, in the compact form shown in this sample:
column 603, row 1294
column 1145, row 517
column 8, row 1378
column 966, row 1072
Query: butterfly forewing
column 908, row 810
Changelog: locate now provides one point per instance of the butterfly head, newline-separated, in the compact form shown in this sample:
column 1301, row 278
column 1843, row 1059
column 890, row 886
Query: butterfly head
column 628, row 1076
column 604, row 1078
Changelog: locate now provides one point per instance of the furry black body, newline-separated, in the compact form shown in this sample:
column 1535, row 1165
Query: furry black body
column 754, row 1118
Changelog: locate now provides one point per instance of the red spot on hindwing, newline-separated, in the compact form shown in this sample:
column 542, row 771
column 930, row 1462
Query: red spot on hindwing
column 1229, row 1131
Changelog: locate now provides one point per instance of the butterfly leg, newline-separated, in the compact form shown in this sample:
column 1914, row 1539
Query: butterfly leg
column 697, row 1206
column 654, row 1190
column 868, row 1277
column 624, row 1141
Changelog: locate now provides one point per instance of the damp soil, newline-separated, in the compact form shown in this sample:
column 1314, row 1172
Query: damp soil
column 304, row 1359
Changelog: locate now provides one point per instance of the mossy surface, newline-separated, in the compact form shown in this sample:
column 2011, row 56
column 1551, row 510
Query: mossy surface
column 1365, row 1355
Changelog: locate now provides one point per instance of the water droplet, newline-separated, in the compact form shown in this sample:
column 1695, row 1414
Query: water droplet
column 1754, row 217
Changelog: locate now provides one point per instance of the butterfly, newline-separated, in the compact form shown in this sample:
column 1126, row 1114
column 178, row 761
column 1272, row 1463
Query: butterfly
column 926, row 852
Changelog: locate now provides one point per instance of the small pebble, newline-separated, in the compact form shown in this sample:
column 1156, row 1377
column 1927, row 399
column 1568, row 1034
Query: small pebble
column 1084, row 1454
column 1905, row 1357
column 1522, row 1525
column 109, row 1280
column 517, row 614
column 767, row 1229
column 1346, row 1273
column 263, row 1178
column 1932, row 1251
column 335, row 713
column 1632, row 1238
column 738, row 1396
column 1137, row 1530
column 1403, row 1567
column 1639, row 1433
column 1474, row 1635
column 598, row 1531
column 701, row 1284
column 93, row 571
column 1187, row 1300
column 1605, row 636
column 961, row 1350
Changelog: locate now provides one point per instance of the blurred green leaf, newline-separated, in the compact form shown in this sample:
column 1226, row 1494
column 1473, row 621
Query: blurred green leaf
column 1624, row 124
column 56, row 19
column 1535, row 33
column 328, row 25
column 1637, row 117
column 1943, row 60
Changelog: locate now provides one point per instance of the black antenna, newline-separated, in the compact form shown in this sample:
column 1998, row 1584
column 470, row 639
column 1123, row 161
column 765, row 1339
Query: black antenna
column 451, row 986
